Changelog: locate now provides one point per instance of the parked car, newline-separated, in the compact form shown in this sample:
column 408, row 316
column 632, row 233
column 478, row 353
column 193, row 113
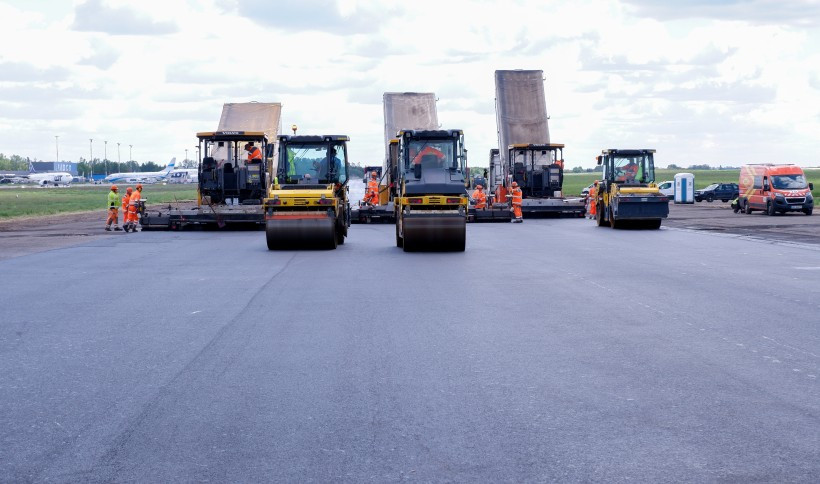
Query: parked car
column 717, row 191
column 667, row 188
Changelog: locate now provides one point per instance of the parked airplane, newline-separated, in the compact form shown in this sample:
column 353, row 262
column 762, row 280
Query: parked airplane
column 142, row 177
column 46, row 179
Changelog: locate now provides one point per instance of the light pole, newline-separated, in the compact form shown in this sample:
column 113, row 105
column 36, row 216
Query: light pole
column 119, row 158
column 185, row 163
column 131, row 157
column 57, row 143
column 198, row 155
column 105, row 156
column 91, row 154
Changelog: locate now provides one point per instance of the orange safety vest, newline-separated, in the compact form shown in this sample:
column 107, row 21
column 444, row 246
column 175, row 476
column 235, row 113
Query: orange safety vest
column 429, row 150
column 480, row 199
column 135, row 198
column 254, row 154
column 517, row 197
column 125, row 199
column 372, row 192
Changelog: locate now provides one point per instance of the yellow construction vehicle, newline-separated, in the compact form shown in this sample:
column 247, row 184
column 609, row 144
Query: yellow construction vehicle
column 430, row 195
column 627, row 194
column 307, row 204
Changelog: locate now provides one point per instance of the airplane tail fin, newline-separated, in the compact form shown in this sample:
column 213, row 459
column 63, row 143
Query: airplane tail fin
column 170, row 166
column 31, row 167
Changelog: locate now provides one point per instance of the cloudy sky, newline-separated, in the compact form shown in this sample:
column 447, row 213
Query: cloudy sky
column 705, row 81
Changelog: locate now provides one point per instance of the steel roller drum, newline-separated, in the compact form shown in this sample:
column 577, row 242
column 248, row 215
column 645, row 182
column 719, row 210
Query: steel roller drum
column 434, row 233
column 301, row 233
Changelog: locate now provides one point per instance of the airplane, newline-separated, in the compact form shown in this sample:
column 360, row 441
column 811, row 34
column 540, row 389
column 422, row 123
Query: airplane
column 142, row 177
column 46, row 179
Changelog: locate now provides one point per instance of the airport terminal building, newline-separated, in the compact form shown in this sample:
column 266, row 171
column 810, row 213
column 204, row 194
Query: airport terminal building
column 47, row 166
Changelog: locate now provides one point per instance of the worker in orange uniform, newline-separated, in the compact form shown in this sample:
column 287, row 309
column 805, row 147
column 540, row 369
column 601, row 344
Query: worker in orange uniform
column 592, row 202
column 254, row 153
column 126, row 199
column 371, row 196
column 428, row 150
column 517, row 200
column 113, row 216
column 479, row 198
column 133, row 207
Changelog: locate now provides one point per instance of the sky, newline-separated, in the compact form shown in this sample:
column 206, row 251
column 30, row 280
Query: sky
column 720, row 82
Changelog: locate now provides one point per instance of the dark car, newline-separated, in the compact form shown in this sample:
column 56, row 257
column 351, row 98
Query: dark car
column 717, row 191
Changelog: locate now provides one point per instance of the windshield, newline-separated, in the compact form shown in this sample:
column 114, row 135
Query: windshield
column 711, row 187
column 789, row 182
column 431, row 154
column 315, row 163
column 634, row 169
column 233, row 153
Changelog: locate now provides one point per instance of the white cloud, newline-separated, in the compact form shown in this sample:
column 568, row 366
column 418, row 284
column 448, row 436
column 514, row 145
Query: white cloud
column 709, row 83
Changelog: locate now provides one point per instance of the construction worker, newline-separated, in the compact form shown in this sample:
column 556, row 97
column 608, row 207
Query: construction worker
column 254, row 153
column 113, row 199
column 126, row 199
column 592, row 204
column 479, row 198
column 428, row 151
column 133, row 207
column 371, row 196
column 516, row 202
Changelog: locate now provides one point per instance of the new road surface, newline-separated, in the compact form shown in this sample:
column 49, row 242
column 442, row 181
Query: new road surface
column 552, row 350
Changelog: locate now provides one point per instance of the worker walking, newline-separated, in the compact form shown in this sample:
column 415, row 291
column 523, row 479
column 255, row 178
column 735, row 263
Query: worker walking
column 113, row 200
column 133, row 207
column 371, row 196
column 479, row 198
column 517, row 201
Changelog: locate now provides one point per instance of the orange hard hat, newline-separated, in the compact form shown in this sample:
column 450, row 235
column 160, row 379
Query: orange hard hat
column 129, row 190
column 514, row 184
column 139, row 186
column 113, row 188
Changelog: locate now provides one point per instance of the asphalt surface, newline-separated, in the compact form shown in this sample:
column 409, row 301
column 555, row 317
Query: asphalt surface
column 551, row 350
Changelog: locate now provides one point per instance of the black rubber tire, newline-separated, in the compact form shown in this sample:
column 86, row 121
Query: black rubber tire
column 770, row 209
column 710, row 198
column 654, row 224
column 747, row 208
column 599, row 215
column 399, row 239
column 807, row 211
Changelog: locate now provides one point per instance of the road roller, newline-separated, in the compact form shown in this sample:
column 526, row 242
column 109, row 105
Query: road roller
column 431, row 197
column 307, row 204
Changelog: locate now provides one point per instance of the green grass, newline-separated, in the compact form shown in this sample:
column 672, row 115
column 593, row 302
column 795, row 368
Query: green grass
column 575, row 182
column 29, row 200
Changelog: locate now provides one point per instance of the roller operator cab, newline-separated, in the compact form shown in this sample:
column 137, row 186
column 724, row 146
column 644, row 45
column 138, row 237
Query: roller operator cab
column 628, row 193
column 431, row 198
column 775, row 189
column 307, row 205
column 233, row 167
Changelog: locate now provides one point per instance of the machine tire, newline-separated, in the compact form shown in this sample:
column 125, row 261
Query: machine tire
column 807, row 211
column 770, row 208
column 654, row 224
column 710, row 198
column 399, row 238
column 612, row 222
column 599, row 215
column 747, row 208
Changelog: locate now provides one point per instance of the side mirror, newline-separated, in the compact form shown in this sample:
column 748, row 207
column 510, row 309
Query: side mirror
column 598, row 158
column 811, row 186
column 765, row 185
column 417, row 171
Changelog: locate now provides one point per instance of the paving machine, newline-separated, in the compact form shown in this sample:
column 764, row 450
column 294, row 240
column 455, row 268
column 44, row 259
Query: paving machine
column 307, row 204
column 430, row 197
column 234, row 172
column 525, row 154
column 627, row 194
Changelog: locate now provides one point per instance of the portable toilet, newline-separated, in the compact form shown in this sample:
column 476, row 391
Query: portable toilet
column 684, row 188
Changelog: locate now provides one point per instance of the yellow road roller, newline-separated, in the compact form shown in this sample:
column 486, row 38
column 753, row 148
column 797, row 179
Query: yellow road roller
column 431, row 200
column 307, row 204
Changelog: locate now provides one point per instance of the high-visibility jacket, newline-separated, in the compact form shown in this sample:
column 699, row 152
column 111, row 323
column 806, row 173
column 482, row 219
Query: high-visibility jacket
column 113, row 199
column 517, row 197
column 592, row 209
column 480, row 198
column 125, row 199
column 428, row 150
column 135, row 199
column 254, row 154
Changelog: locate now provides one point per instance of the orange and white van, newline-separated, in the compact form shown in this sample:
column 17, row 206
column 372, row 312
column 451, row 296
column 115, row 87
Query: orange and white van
column 775, row 189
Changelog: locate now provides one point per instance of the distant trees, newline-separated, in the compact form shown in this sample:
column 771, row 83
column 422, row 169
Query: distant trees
column 13, row 163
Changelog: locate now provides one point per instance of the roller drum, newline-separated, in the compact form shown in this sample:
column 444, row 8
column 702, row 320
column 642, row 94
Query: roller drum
column 434, row 233
column 306, row 233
